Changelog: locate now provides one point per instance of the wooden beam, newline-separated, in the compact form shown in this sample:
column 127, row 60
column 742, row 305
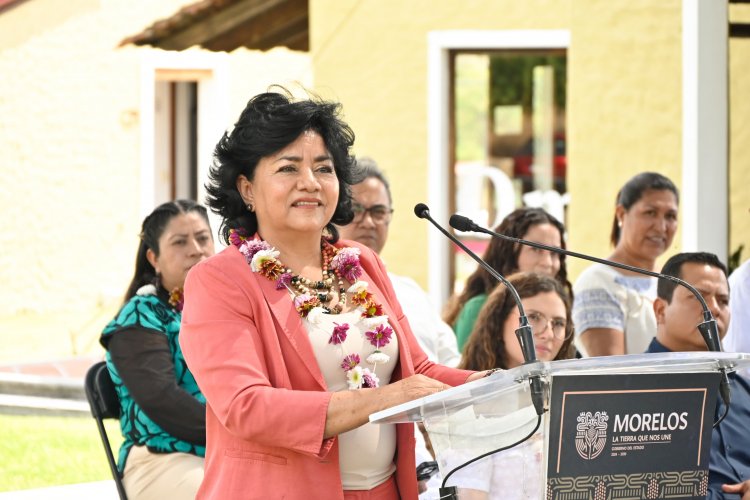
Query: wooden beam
column 293, row 35
column 215, row 25
column 268, row 30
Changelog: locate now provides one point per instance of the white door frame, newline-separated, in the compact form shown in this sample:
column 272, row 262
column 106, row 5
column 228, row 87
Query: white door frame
column 212, row 73
column 704, row 200
column 439, row 45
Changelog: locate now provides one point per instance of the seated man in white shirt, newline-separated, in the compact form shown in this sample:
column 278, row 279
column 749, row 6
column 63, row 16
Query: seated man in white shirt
column 372, row 214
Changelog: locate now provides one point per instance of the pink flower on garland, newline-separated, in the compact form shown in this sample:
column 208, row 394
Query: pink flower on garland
column 381, row 336
column 369, row 379
column 284, row 280
column 237, row 236
column 350, row 361
column 250, row 247
column 305, row 303
column 339, row 334
column 346, row 264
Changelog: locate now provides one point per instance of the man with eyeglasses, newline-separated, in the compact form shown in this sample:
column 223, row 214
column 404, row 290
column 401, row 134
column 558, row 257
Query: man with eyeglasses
column 372, row 215
column 677, row 314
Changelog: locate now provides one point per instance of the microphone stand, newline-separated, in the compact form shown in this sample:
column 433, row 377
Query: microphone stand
column 708, row 328
column 524, row 334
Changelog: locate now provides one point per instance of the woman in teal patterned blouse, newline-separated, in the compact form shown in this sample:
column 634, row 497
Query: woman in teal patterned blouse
column 162, row 410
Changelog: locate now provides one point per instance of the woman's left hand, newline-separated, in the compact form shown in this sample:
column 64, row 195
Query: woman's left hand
column 482, row 374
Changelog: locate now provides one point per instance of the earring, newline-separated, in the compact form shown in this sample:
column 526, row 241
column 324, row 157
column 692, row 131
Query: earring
column 619, row 223
column 250, row 207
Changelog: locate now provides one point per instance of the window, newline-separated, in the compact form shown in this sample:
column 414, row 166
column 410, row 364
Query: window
column 509, row 138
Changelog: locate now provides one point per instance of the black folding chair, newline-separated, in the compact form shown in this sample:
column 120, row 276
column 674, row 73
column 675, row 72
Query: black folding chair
column 104, row 403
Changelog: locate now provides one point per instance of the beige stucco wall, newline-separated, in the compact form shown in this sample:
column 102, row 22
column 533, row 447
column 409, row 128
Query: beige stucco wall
column 624, row 111
column 70, row 149
column 624, row 96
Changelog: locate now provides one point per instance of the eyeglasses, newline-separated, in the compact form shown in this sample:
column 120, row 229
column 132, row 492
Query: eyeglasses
column 539, row 323
column 378, row 213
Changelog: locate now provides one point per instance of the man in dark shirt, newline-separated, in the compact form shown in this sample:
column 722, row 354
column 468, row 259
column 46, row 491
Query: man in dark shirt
column 677, row 314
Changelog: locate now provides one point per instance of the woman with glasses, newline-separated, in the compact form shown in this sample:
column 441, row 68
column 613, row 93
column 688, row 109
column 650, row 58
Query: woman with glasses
column 493, row 344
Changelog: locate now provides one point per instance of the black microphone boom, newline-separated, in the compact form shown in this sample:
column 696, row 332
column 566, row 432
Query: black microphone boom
column 523, row 333
column 708, row 328
column 526, row 338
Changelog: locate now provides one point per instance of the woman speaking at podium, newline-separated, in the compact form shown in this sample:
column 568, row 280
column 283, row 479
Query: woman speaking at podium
column 295, row 337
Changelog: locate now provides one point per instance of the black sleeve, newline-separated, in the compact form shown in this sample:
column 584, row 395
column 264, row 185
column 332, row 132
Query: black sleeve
column 144, row 361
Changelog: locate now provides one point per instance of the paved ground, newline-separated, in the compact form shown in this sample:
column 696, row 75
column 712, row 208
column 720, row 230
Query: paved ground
column 72, row 368
column 104, row 490
column 51, row 388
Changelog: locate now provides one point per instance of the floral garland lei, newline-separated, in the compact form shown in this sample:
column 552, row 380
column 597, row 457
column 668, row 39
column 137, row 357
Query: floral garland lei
column 263, row 259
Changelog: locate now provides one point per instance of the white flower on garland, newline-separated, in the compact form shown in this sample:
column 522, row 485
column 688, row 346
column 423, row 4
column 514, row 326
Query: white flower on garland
column 315, row 316
column 358, row 286
column 354, row 378
column 378, row 357
column 146, row 290
column 375, row 321
column 261, row 256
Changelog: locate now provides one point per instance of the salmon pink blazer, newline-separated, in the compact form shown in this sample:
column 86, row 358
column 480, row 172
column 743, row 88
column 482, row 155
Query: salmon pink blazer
column 266, row 397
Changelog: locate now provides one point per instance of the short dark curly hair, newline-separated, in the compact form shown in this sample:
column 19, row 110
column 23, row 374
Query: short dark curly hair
column 270, row 122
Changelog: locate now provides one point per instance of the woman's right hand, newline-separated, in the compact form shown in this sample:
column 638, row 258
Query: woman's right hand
column 415, row 387
column 350, row 409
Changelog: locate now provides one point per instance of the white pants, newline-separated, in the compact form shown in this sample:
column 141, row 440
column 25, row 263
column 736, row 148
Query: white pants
column 157, row 476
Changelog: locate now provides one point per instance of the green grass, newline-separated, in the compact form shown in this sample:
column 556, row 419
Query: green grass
column 36, row 451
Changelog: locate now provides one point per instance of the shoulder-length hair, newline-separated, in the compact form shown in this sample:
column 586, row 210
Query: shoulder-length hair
column 485, row 348
column 502, row 255
column 151, row 230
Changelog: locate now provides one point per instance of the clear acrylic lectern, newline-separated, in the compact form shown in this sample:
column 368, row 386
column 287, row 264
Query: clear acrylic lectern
column 469, row 420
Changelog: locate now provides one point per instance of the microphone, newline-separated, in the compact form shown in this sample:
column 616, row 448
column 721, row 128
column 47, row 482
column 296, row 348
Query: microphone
column 523, row 333
column 708, row 328
column 525, row 338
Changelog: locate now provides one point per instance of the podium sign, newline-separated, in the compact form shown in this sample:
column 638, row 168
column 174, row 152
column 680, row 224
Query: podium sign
column 627, row 455
column 630, row 436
